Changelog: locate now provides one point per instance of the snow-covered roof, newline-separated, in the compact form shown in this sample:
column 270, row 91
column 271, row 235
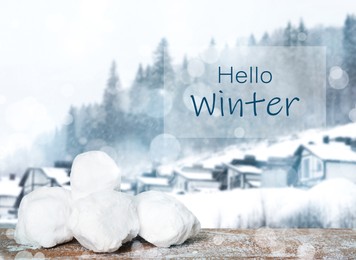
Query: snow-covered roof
column 165, row 169
column 282, row 149
column 244, row 168
column 194, row 175
column 221, row 158
column 348, row 130
column 125, row 186
column 333, row 151
column 59, row 174
column 10, row 187
column 154, row 181
column 247, row 169
column 286, row 146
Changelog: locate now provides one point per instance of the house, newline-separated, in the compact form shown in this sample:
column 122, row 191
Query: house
column 34, row 178
column 191, row 179
column 279, row 172
column 44, row 176
column 243, row 176
column 146, row 183
column 9, row 192
column 240, row 173
column 326, row 160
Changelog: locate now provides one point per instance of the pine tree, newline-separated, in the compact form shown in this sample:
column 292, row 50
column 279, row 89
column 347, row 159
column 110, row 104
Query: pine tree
column 92, row 123
column 184, row 81
column 302, row 34
column 111, row 103
column 58, row 149
column 265, row 41
column 162, row 71
column 185, row 63
column 185, row 78
column 72, row 145
column 348, row 94
column 137, row 91
column 148, row 73
column 290, row 35
column 349, row 46
column 251, row 40
column 140, row 76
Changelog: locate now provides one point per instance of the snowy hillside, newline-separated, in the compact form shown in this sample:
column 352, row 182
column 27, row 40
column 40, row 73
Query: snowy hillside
column 262, row 150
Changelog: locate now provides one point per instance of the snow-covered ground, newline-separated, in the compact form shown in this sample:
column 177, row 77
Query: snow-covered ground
column 330, row 204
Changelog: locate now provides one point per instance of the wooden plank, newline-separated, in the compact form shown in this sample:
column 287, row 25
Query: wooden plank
column 213, row 243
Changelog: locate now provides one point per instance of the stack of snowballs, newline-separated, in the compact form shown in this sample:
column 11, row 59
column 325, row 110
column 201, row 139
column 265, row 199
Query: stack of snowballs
column 97, row 215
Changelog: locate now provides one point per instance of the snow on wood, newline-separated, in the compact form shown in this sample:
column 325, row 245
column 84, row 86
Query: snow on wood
column 264, row 243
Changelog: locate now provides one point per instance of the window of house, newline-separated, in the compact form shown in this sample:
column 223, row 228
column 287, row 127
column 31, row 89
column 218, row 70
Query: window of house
column 40, row 179
column 318, row 166
column 305, row 168
column 312, row 167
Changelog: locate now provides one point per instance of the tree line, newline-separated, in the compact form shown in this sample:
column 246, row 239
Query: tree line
column 136, row 113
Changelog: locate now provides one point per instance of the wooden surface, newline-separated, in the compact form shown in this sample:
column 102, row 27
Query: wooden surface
column 212, row 243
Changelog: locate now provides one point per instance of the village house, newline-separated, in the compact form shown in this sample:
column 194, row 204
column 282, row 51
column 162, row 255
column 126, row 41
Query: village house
column 242, row 173
column 243, row 176
column 9, row 192
column 44, row 176
column 146, row 183
column 326, row 160
column 193, row 179
column 279, row 172
column 34, row 178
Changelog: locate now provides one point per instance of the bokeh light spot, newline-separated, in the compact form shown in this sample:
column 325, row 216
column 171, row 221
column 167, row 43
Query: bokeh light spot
column 218, row 240
column 24, row 255
column 338, row 78
column 239, row 132
column 164, row 148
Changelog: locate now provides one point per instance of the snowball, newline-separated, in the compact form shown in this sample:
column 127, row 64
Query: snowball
column 103, row 221
column 92, row 172
column 42, row 219
column 164, row 221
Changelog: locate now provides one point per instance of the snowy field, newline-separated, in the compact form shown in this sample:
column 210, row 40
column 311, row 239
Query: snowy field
column 331, row 204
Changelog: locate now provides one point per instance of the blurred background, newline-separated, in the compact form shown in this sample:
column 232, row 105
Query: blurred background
column 89, row 75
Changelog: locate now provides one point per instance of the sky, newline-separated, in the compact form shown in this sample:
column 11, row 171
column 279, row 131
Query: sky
column 54, row 54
